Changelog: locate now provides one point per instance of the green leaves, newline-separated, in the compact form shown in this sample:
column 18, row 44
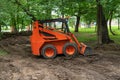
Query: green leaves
column 45, row 9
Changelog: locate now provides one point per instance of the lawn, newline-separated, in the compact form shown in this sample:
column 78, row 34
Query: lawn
column 89, row 34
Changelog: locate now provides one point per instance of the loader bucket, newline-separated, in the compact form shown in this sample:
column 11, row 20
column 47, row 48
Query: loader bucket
column 85, row 50
column 82, row 48
column 88, row 51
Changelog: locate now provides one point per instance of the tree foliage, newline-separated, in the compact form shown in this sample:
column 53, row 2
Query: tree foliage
column 20, row 13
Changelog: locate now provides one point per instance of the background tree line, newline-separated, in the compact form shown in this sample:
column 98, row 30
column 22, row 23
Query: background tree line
column 19, row 13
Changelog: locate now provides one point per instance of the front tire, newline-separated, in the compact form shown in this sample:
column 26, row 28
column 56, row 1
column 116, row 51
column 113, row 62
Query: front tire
column 70, row 49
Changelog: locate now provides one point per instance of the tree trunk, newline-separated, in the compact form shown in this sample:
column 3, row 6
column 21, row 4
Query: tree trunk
column 49, row 16
column 110, row 24
column 62, row 13
column 22, row 24
column 77, row 24
column 31, row 25
column 17, row 20
column 28, row 28
column 13, row 24
column 118, row 24
column 88, row 24
column 0, row 29
column 54, row 25
column 13, row 29
column 102, row 30
column 62, row 23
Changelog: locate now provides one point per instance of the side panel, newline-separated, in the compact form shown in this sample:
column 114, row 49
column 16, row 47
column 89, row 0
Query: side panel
column 36, row 44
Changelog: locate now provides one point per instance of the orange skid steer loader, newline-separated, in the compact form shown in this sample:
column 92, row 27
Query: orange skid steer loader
column 49, row 42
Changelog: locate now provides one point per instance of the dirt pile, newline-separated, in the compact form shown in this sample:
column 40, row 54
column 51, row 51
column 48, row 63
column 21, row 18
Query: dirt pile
column 20, row 64
column 110, row 47
column 8, row 34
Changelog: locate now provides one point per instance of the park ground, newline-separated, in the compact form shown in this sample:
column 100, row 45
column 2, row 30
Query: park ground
column 17, row 63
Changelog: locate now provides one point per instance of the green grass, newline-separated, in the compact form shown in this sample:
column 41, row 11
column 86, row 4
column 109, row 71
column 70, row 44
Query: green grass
column 116, row 37
column 3, row 52
column 89, row 34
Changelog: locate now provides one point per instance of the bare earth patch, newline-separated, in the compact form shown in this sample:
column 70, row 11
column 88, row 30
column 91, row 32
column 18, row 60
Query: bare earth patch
column 20, row 64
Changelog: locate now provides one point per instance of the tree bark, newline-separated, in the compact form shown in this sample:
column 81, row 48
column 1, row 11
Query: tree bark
column 62, row 23
column 0, row 29
column 13, row 29
column 77, row 24
column 110, row 23
column 102, row 30
column 31, row 25
column 54, row 25
column 22, row 24
column 13, row 25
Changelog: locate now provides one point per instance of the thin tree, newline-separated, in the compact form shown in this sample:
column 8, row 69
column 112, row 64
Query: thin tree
column 0, row 29
column 77, row 23
column 111, row 15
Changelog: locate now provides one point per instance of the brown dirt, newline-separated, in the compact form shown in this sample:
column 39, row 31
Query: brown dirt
column 20, row 64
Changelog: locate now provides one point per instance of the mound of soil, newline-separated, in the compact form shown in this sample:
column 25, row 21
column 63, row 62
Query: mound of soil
column 110, row 47
column 8, row 34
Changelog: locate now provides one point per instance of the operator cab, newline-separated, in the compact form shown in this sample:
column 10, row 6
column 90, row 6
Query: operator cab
column 57, row 24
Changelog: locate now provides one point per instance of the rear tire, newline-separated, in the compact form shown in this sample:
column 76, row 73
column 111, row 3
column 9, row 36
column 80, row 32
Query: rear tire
column 49, row 51
column 70, row 50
